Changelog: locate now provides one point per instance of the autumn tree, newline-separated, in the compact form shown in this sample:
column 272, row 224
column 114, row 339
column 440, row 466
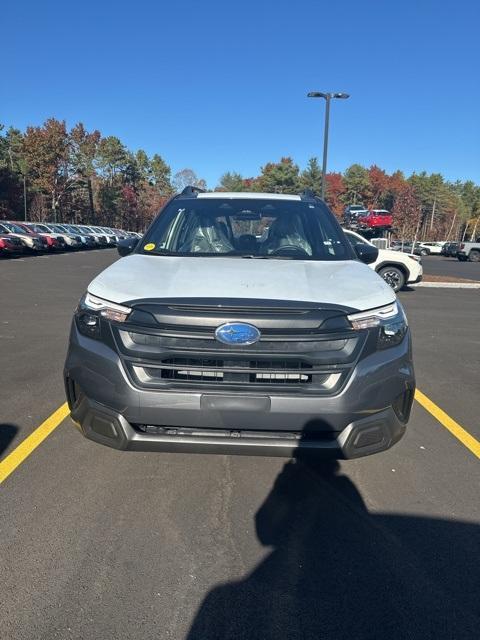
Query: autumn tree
column 407, row 213
column 378, row 187
column 334, row 192
column 46, row 151
column 79, row 176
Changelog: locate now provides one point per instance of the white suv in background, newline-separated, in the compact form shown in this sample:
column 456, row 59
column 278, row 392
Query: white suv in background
column 434, row 248
column 397, row 269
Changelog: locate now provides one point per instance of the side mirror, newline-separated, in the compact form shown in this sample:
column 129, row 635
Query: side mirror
column 366, row 253
column 124, row 247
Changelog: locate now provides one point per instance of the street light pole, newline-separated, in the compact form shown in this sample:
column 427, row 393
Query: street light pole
column 327, row 97
column 325, row 143
column 25, row 197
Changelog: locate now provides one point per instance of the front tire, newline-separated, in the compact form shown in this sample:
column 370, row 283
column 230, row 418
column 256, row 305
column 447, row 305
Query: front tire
column 393, row 276
column 474, row 255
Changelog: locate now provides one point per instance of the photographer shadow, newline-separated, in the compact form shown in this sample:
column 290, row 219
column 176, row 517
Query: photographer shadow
column 338, row 572
column 7, row 434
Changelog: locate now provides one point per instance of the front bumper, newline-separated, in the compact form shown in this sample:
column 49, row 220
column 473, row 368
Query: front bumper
column 368, row 415
column 418, row 279
column 416, row 272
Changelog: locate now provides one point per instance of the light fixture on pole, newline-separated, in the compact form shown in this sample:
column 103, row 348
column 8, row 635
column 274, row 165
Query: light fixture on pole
column 327, row 97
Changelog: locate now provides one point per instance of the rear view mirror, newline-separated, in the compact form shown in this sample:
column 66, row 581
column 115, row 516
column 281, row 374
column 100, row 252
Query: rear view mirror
column 366, row 253
column 126, row 246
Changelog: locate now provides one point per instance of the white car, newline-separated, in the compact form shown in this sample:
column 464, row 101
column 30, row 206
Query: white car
column 397, row 269
column 435, row 248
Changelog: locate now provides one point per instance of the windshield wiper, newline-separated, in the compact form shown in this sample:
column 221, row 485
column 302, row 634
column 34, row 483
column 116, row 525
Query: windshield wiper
column 268, row 257
column 252, row 256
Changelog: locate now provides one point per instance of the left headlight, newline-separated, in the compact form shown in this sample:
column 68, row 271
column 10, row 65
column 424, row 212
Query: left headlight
column 391, row 322
column 91, row 309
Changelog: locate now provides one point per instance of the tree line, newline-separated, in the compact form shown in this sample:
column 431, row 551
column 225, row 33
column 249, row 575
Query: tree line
column 51, row 173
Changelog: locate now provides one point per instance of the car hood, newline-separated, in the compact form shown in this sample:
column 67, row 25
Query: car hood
column 384, row 254
column 344, row 283
column 22, row 236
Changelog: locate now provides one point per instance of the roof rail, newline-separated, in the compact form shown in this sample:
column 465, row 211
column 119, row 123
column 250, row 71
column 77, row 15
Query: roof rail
column 192, row 192
column 308, row 194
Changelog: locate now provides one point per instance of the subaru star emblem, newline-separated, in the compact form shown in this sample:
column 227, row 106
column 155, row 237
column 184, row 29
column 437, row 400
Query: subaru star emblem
column 237, row 333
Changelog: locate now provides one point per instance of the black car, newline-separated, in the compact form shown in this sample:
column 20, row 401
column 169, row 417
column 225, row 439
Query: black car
column 450, row 249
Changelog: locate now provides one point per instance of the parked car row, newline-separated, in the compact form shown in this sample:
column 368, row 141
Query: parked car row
column 35, row 237
column 418, row 248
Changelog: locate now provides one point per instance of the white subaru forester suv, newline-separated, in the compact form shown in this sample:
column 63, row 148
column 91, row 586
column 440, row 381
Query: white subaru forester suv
column 241, row 323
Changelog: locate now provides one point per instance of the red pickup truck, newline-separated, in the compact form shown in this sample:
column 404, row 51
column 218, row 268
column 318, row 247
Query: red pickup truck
column 375, row 219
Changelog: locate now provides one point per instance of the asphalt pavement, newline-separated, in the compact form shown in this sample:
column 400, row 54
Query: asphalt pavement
column 451, row 267
column 97, row 543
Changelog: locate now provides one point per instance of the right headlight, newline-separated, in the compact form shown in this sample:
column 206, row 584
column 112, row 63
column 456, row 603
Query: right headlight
column 391, row 322
column 92, row 309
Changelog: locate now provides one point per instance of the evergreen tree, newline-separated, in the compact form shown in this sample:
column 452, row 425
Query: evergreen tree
column 231, row 181
column 279, row 177
column 311, row 177
column 161, row 175
column 356, row 184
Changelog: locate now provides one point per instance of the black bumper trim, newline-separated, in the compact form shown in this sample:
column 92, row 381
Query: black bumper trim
column 366, row 436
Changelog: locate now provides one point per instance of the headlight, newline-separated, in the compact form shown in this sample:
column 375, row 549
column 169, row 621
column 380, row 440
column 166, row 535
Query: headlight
column 91, row 309
column 391, row 322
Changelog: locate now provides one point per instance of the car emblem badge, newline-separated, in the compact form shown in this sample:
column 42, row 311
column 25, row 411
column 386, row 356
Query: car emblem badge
column 237, row 333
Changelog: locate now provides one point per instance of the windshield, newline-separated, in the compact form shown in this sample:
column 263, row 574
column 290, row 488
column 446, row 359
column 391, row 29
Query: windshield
column 40, row 227
column 13, row 227
column 251, row 228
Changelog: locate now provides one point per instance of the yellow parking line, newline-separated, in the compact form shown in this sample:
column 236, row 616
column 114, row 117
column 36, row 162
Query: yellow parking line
column 455, row 429
column 25, row 448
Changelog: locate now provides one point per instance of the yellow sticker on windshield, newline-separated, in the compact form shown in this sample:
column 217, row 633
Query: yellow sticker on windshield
column 149, row 247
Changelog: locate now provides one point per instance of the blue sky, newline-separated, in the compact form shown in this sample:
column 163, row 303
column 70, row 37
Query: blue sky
column 219, row 86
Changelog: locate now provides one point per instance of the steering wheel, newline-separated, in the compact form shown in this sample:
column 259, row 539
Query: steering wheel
column 289, row 250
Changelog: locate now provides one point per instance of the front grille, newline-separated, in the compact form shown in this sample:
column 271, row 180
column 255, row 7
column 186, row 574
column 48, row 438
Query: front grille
column 293, row 355
column 209, row 370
